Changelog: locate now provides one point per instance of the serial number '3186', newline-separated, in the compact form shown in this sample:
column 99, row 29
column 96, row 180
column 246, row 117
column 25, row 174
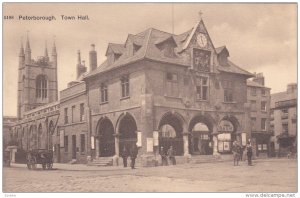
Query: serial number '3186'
column 8, row 17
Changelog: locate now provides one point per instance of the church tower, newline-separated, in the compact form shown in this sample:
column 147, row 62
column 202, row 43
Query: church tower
column 37, row 79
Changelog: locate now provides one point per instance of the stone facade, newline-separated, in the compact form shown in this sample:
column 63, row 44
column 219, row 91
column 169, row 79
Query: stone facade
column 37, row 80
column 284, row 120
column 7, row 133
column 166, row 94
column 72, row 125
column 259, row 99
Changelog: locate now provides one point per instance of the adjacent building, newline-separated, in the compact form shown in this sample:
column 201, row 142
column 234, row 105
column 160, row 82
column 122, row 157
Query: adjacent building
column 284, row 120
column 259, row 99
column 7, row 133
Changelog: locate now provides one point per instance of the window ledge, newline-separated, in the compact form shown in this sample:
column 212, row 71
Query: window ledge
column 103, row 103
column 173, row 97
column 125, row 98
column 199, row 100
column 230, row 102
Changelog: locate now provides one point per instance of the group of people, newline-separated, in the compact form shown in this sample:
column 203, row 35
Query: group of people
column 132, row 153
column 238, row 151
column 167, row 157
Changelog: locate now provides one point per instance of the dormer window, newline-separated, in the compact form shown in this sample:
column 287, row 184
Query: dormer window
column 117, row 56
column 136, row 48
column 114, row 52
column 167, row 46
column 223, row 55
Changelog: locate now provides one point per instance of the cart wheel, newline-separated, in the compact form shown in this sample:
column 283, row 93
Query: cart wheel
column 44, row 166
column 29, row 166
column 33, row 166
column 49, row 166
column 33, row 163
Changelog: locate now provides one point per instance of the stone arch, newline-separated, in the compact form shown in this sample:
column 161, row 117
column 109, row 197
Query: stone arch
column 121, row 116
column 206, row 118
column 201, row 127
column 228, row 127
column 51, row 130
column 23, row 138
column 105, row 135
column 233, row 120
column 171, row 127
column 177, row 115
column 32, row 137
column 127, row 131
column 39, row 136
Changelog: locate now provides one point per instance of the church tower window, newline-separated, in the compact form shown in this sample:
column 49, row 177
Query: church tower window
column 41, row 87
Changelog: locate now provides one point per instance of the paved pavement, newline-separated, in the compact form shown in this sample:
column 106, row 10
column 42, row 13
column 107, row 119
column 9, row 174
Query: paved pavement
column 268, row 175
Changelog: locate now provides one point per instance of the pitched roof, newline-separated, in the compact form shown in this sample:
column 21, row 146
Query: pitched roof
column 148, row 40
column 233, row 68
column 254, row 84
column 282, row 96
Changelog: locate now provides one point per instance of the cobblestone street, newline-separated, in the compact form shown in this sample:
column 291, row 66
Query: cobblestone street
column 268, row 175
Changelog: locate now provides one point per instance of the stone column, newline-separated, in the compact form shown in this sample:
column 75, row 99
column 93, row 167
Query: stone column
column 97, row 147
column 215, row 140
column 186, row 146
column 215, row 149
column 117, row 149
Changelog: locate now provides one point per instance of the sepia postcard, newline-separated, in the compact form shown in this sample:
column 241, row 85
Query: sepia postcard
column 150, row 97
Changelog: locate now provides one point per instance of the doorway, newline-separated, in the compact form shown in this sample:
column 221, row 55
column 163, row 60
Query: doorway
column 74, row 149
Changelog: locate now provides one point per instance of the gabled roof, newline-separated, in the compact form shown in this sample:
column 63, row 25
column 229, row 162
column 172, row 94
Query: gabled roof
column 221, row 49
column 148, row 40
column 116, row 48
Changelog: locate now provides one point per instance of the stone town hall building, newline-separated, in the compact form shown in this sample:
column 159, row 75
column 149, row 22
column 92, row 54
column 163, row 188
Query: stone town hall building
column 155, row 89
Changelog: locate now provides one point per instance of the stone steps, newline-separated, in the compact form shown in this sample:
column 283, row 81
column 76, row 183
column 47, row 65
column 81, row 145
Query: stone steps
column 198, row 159
column 102, row 161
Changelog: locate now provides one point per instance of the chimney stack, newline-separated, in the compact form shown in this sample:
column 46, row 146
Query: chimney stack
column 80, row 67
column 291, row 88
column 259, row 78
column 93, row 58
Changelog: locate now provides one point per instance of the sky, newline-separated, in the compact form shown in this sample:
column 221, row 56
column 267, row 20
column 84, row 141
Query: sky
column 259, row 37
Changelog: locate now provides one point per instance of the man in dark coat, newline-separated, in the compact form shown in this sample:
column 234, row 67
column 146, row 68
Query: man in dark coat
column 133, row 155
column 236, row 153
column 171, row 155
column 124, row 155
column 249, row 154
column 164, row 160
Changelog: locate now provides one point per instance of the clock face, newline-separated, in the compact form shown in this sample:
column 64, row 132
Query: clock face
column 202, row 40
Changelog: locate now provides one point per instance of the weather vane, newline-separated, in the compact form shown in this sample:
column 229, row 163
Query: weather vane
column 200, row 15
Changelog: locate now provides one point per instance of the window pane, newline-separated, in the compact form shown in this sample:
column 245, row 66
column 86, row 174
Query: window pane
column 175, row 77
column 204, row 81
column 169, row 76
column 204, row 94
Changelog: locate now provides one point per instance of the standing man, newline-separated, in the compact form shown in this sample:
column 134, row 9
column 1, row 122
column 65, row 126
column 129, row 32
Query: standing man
column 236, row 153
column 249, row 154
column 164, row 160
column 171, row 155
column 133, row 155
column 124, row 155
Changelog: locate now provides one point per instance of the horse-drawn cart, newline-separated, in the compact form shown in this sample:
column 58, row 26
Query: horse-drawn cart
column 39, row 156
